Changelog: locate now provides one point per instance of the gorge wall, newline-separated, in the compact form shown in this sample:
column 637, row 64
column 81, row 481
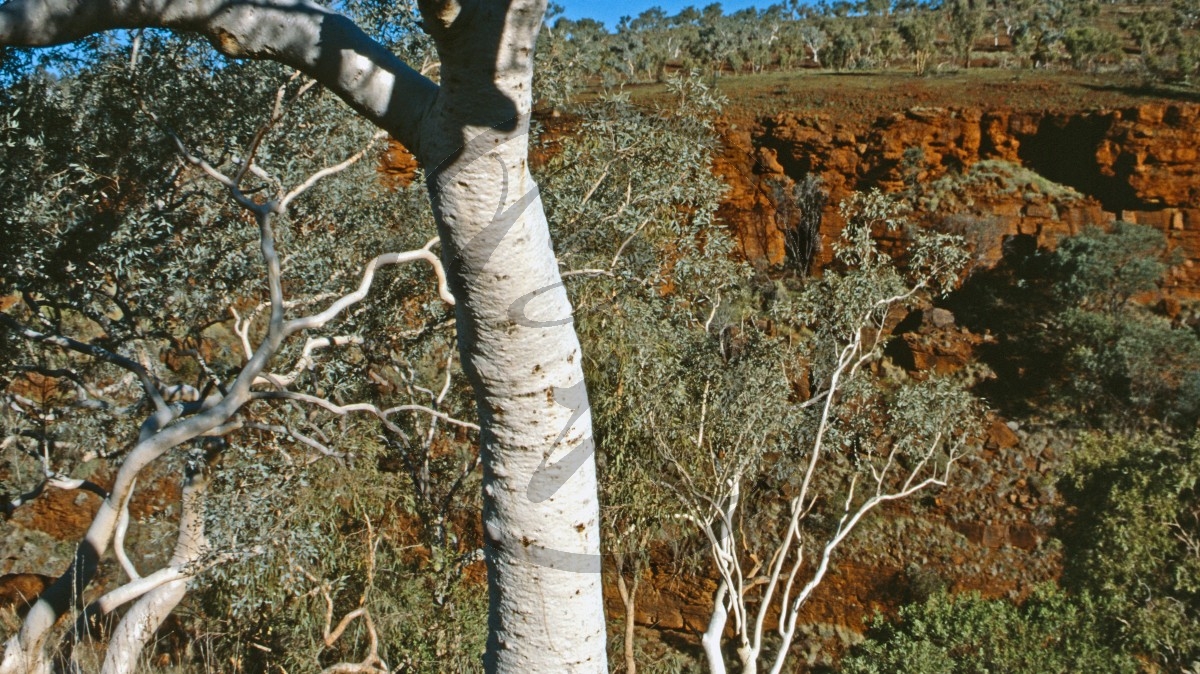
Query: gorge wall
column 1044, row 174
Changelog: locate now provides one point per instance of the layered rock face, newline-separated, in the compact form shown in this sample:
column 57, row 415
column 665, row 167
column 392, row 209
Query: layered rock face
column 1045, row 174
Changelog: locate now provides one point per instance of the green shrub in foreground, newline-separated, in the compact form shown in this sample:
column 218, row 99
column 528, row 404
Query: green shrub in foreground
column 1051, row 633
column 1134, row 538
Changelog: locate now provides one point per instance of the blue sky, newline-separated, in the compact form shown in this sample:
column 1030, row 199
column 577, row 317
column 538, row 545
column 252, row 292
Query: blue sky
column 611, row 12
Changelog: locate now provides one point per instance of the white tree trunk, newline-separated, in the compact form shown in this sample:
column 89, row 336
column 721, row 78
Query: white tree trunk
column 144, row 618
column 541, row 514
column 518, row 345
column 711, row 640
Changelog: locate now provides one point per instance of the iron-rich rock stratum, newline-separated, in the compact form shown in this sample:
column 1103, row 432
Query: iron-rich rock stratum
column 1015, row 165
column 1137, row 162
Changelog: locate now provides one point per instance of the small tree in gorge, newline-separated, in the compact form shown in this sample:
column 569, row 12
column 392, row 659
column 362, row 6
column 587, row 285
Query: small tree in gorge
column 793, row 409
column 799, row 213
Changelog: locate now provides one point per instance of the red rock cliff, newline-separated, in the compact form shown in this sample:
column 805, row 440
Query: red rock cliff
column 1140, row 164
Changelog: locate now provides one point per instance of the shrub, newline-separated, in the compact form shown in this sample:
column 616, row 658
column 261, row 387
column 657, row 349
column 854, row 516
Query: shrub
column 1134, row 538
column 1051, row 633
column 1129, row 369
column 1102, row 271
column 1121, row 366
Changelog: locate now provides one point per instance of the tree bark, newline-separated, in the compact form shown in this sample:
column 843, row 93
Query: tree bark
column 516, row 337
column 144, row 618
column 711, row 639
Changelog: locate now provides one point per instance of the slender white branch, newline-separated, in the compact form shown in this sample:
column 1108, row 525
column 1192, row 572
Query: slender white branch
column 342, row 410
column 119, row 538
column 431, row 412
column 306, row 360
column 823, row 425
column 625, row 244
column 372, row 664
column 424, row 253
column 241, row 328
column 712, row 314
column 846, row 525
column 587, row 272
column 138, row 587
column 326, row 172
column 300, row 437
column 595, row 186
column 445, row 385
column 799, row 561
column 778, row 558
column 247, row 165
column 149, row 384
column 227, row 182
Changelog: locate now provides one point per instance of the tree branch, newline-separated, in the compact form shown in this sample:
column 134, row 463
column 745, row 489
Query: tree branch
column 149, row 385
column 323, row 44
column 342, row 410
column 423, row 253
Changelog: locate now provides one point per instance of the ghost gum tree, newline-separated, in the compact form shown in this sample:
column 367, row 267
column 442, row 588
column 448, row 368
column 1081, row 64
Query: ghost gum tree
column 516, row 340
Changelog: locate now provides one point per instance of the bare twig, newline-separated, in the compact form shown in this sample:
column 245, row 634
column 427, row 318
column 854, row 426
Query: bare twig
column 326, row 172
column 300, row 437
column 319, row 320
column 382, row 415
column 149, row 384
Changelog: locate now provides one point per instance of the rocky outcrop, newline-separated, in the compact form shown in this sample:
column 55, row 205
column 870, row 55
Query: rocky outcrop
column 1140, row 158
column 1154, row 151
column 1067, row 170
column 21, row 590
column 928, row 342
